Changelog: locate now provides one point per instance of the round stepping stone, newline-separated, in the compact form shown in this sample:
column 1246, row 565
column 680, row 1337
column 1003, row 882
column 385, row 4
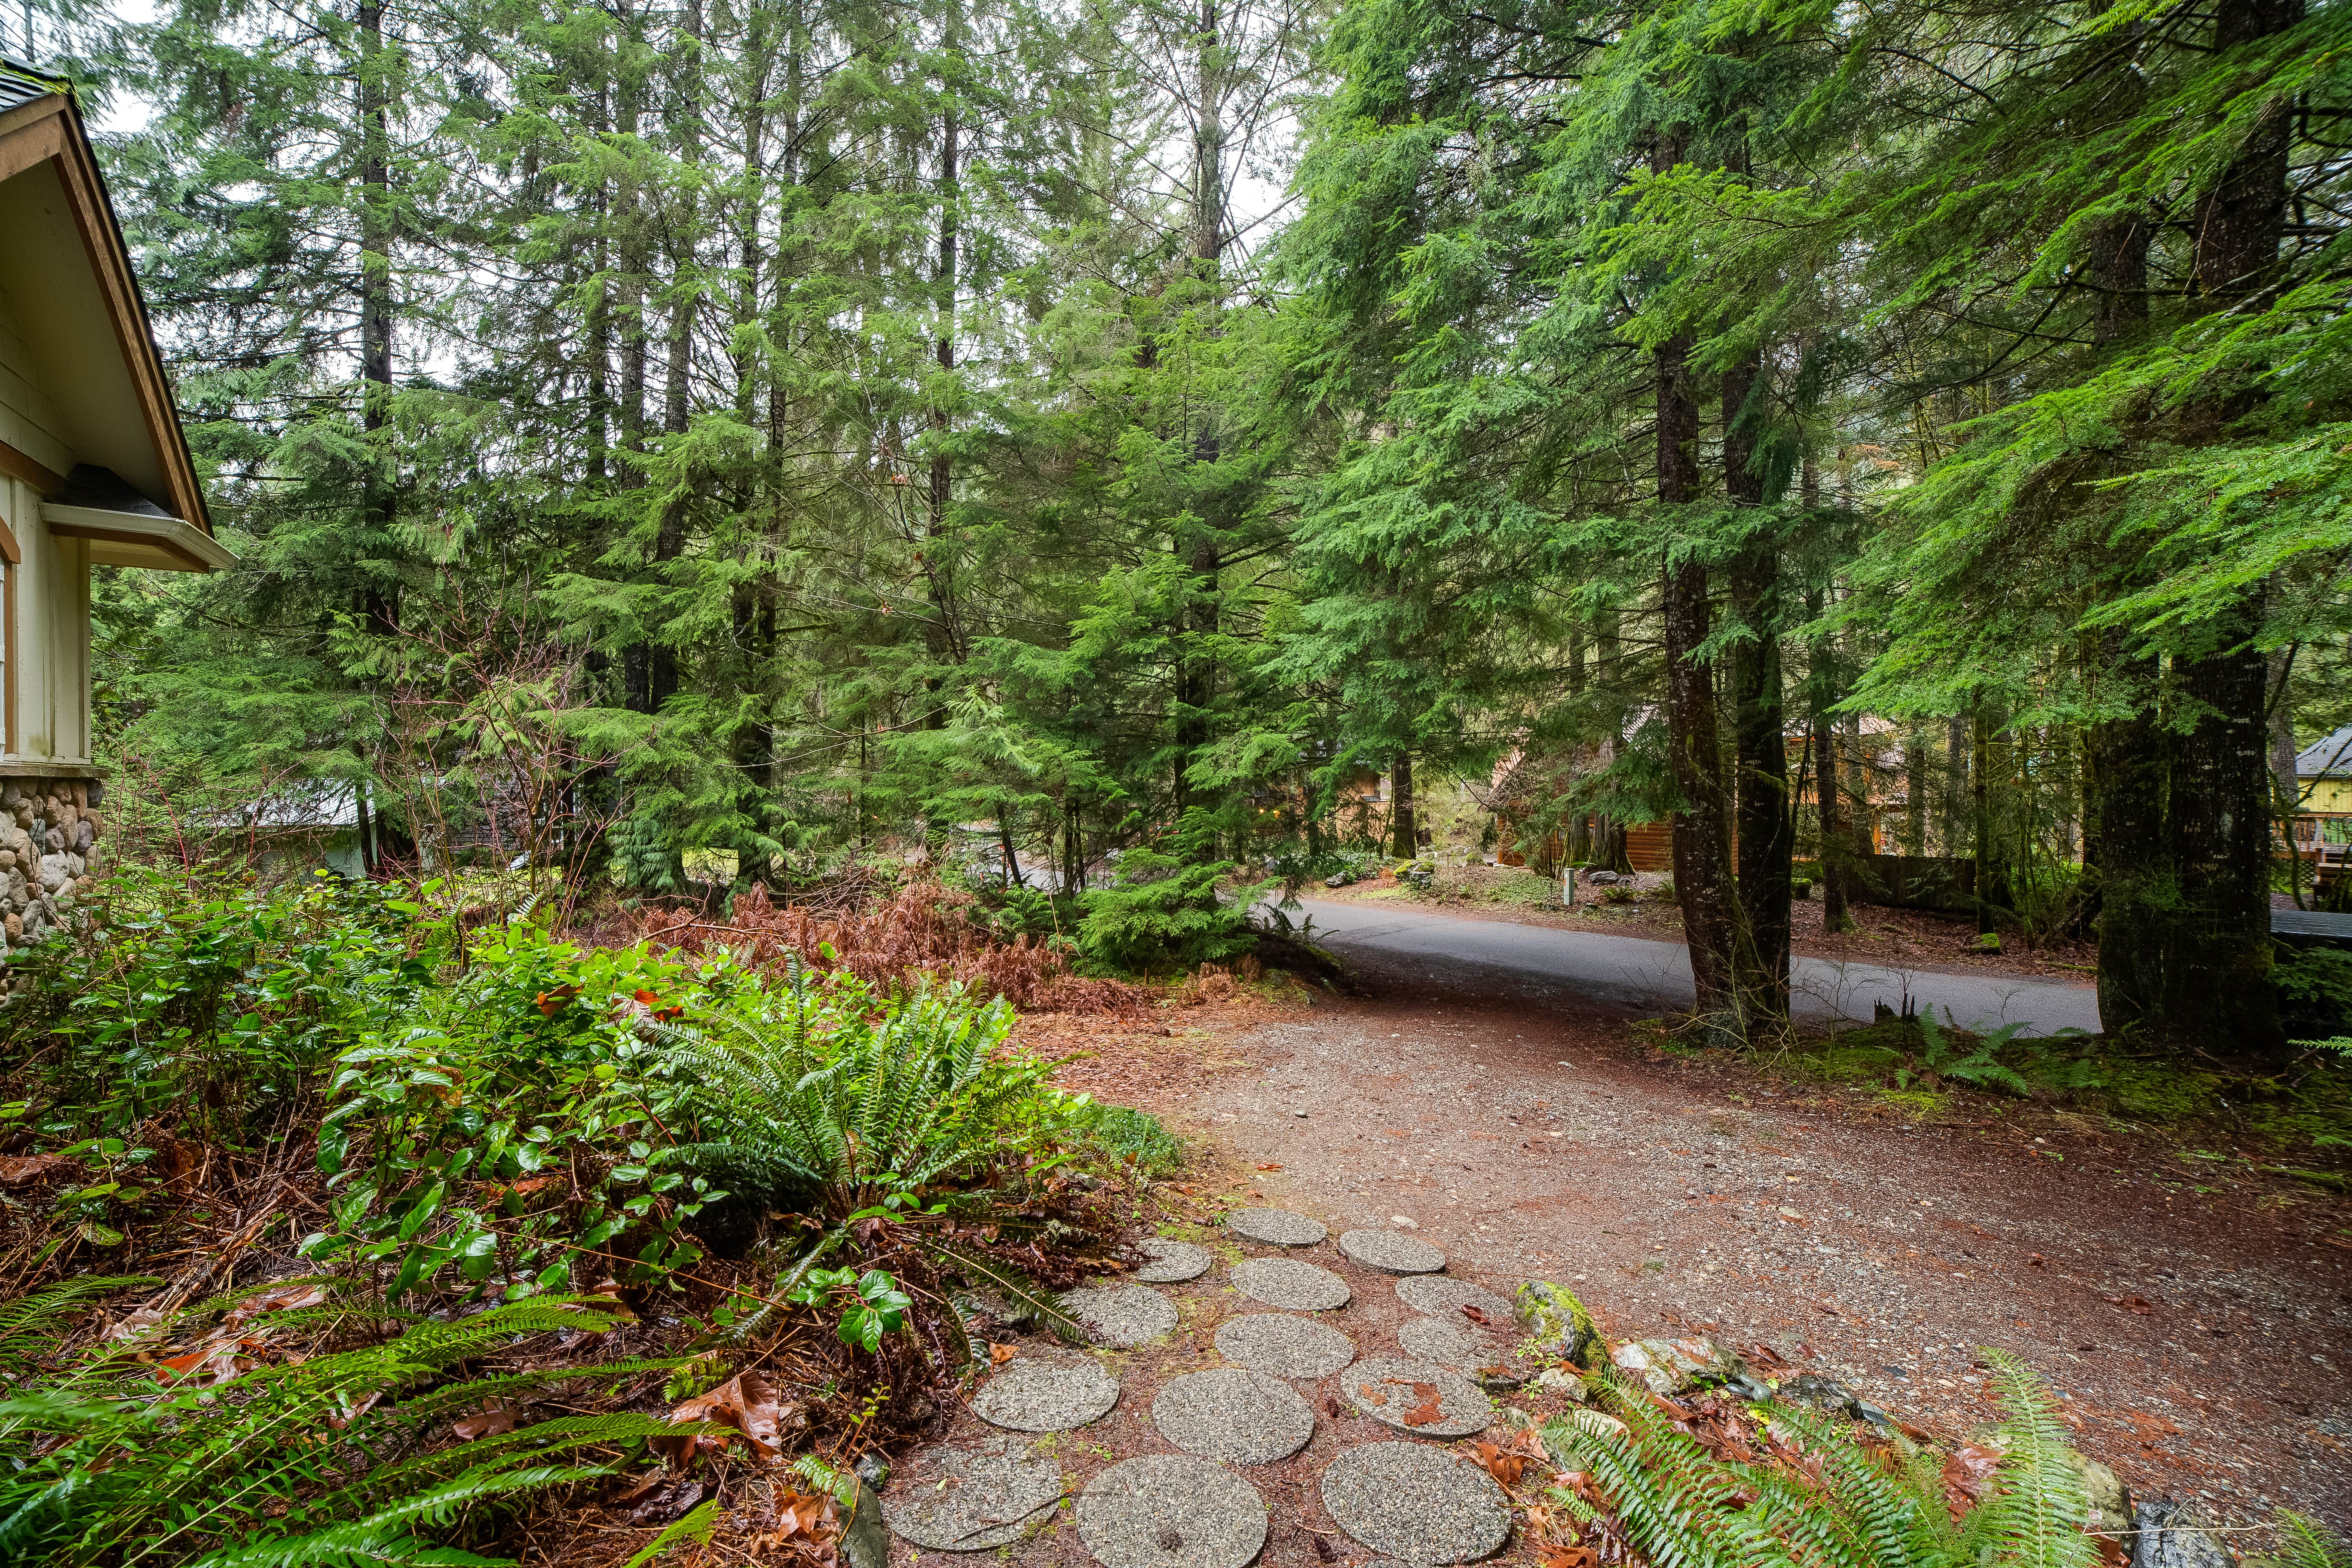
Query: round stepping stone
column 1276, row 1227
column 1170, row 1511
column 1416, row 1396
column 1392, row 1252
column 1285, row 1346
column 1171, row 1262
column 1033, row 1395
column 1234, row 1414
column 1459, row 1345
column 1417, row 1503
column 1121, row 1316
column 1446, row 1297
column 1289, row 1283
column 969, row 1500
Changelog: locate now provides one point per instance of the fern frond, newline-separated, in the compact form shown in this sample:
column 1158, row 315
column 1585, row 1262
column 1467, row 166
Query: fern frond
column 1018, row 1289
column 32, row 1325
column 2304, row 1542
column 369, row 1542
column 2033, row 1515
column 698, row 1525
column 839, row 1484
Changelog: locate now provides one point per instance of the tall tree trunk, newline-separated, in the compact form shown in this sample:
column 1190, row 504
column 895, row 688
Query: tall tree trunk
column 1766, row 836
column 1702, row 853
column 2124, row 840
column 1579, row 836
column 1607, row 833
column 1915, row 793
column 2218, row 993
column 1986, row 845
column 1404, row 832
column 637, row 660
column 669, row 539
column 941, row 643
column 1829, row 817
column 1197, row 676
column 379, row 606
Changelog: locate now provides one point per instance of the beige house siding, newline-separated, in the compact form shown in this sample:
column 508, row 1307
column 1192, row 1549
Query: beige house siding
column 47, row 597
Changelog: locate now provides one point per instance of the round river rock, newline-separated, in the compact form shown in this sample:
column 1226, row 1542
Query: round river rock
column 1234, row 1414
column 1285, row 1346
column 968, row 1499
column 1121, row 1316
column 1417, row 1503
column 1171, row 1262
column 1033, row 1395
column 1170, row 1511
column 1446, row 1297
column 1415, row 1397
column 1276, row 1227
column 1392, row 1252
column 1289, row 1283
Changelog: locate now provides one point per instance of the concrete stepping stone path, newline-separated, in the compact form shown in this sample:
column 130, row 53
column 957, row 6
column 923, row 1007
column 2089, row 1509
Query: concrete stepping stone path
column 1234, row 1414
column 1445, row 1299
column 1284, row 1346
column 1290, row 1283
column 1170, row 1511
column 1419, row 1397
column 1408, row 1503
column 1392, row 1252
column 1459, row 1343
column 1121, row 1316
column 969, row 1500
column 1276, row 1227
column 1036, row 1394
column 1170, row 1262
column 1417, row 1503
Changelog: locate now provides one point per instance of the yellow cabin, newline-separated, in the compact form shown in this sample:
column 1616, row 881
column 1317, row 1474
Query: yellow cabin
column 94, row 471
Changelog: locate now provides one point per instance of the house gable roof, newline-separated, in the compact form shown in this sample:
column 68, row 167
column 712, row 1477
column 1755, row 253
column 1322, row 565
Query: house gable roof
column 63, row 248
column 2329, row 757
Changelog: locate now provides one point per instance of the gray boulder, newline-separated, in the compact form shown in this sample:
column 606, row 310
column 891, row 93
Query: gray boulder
column 2167, row 1534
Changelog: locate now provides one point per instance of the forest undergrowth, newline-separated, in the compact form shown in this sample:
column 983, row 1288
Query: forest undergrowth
column 338, row 1229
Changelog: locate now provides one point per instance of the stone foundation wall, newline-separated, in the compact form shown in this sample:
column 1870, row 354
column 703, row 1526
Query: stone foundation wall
column 49, row 854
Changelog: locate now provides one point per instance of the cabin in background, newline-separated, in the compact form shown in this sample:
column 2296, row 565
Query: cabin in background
column 94, row 471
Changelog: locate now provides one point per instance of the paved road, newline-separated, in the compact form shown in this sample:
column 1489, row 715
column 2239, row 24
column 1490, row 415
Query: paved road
column 1638, row 971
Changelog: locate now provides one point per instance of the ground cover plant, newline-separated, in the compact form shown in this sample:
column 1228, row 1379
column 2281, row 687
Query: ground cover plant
column 464, row 1227
column 2298, row 1109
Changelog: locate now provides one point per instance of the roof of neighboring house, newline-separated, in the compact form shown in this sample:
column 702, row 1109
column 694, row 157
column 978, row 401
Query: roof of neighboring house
column 20, row 83
column 2329, row 757
column 63, row 258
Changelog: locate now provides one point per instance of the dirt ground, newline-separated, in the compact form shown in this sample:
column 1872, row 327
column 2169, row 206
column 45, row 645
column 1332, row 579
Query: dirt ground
column 1905, row 938
column 2195, row 1317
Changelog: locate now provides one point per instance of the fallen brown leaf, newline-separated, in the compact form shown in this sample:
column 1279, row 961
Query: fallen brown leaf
column 1504, row 1467
column 999, row 1354
column 19, row 1169
column 1968, row 1476
column 1429, row 1409
column 747, row 1402
column 493, row 1420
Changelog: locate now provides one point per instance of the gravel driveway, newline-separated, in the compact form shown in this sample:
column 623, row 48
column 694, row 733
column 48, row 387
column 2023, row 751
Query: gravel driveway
column 2196, row 1319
